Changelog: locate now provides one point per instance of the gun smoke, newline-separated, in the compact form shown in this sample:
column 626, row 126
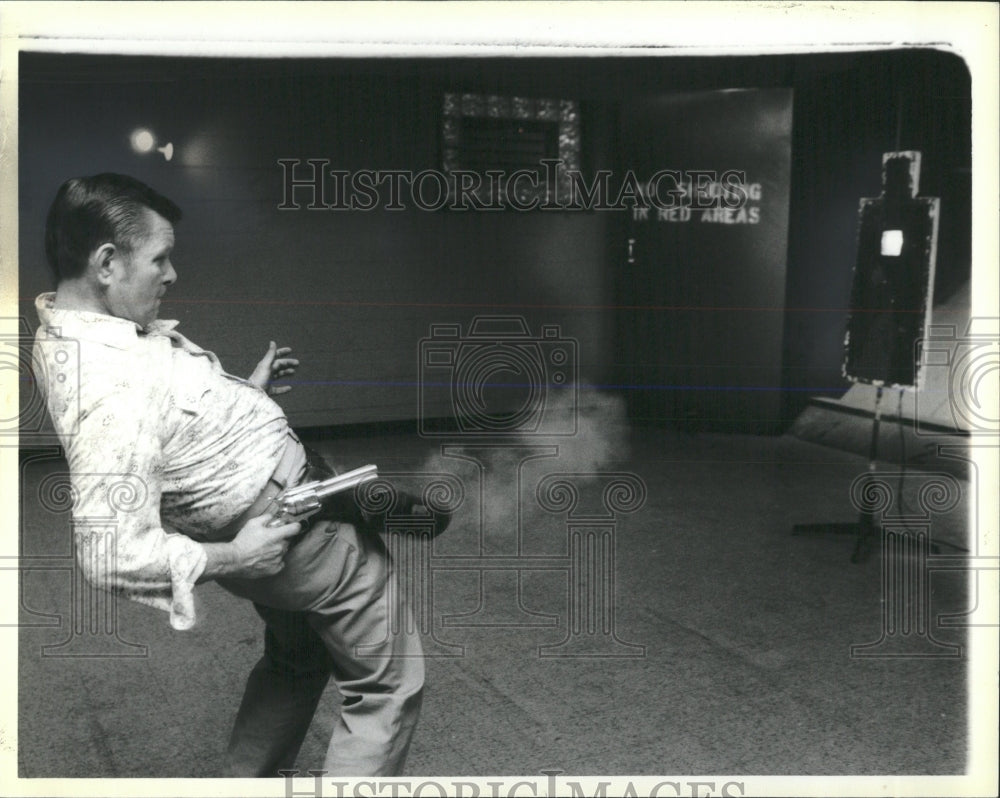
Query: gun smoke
column 499, row 476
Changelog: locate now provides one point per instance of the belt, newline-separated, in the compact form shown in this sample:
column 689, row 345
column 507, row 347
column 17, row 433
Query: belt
column 288, row 472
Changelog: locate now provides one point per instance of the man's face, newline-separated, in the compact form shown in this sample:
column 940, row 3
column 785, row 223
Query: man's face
column 141, row 277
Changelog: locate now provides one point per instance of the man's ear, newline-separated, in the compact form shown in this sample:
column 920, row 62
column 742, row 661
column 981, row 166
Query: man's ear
column 101, row 262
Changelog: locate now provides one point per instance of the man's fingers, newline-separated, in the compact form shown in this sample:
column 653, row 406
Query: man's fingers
column 284, row 531
column 274, row 366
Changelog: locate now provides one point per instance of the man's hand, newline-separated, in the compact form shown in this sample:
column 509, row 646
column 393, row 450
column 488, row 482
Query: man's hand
column 257, row 551
column 274, row 366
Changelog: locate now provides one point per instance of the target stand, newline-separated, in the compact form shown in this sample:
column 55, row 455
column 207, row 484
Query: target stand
column 864, row 529
column 891, row 301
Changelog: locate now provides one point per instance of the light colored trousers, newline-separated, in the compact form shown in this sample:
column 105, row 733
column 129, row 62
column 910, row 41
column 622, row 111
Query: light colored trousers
column 327, row 612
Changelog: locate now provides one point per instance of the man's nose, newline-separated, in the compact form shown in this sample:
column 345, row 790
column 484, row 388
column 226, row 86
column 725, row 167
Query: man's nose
column 171, row 276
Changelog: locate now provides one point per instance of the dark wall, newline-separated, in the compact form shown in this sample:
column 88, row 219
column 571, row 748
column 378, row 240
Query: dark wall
column 355, row 292
column 352, row 292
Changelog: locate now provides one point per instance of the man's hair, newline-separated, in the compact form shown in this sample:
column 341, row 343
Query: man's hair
column 90, row 211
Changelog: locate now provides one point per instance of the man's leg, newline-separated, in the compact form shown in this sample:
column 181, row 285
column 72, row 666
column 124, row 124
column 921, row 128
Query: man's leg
column 280, row 698
column 340, row 579
column 377, row 662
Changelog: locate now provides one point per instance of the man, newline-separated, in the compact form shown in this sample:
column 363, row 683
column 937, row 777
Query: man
column 203, row 453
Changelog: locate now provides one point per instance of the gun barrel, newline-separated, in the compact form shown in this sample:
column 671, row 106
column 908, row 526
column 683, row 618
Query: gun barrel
column 345, row 481
column 323, row 490
column 315, row 491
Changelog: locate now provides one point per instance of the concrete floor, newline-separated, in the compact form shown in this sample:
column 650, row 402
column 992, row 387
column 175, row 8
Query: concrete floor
column 747, row 634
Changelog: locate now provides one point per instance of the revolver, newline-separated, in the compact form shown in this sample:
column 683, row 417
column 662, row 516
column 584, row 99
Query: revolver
column 303, row 501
